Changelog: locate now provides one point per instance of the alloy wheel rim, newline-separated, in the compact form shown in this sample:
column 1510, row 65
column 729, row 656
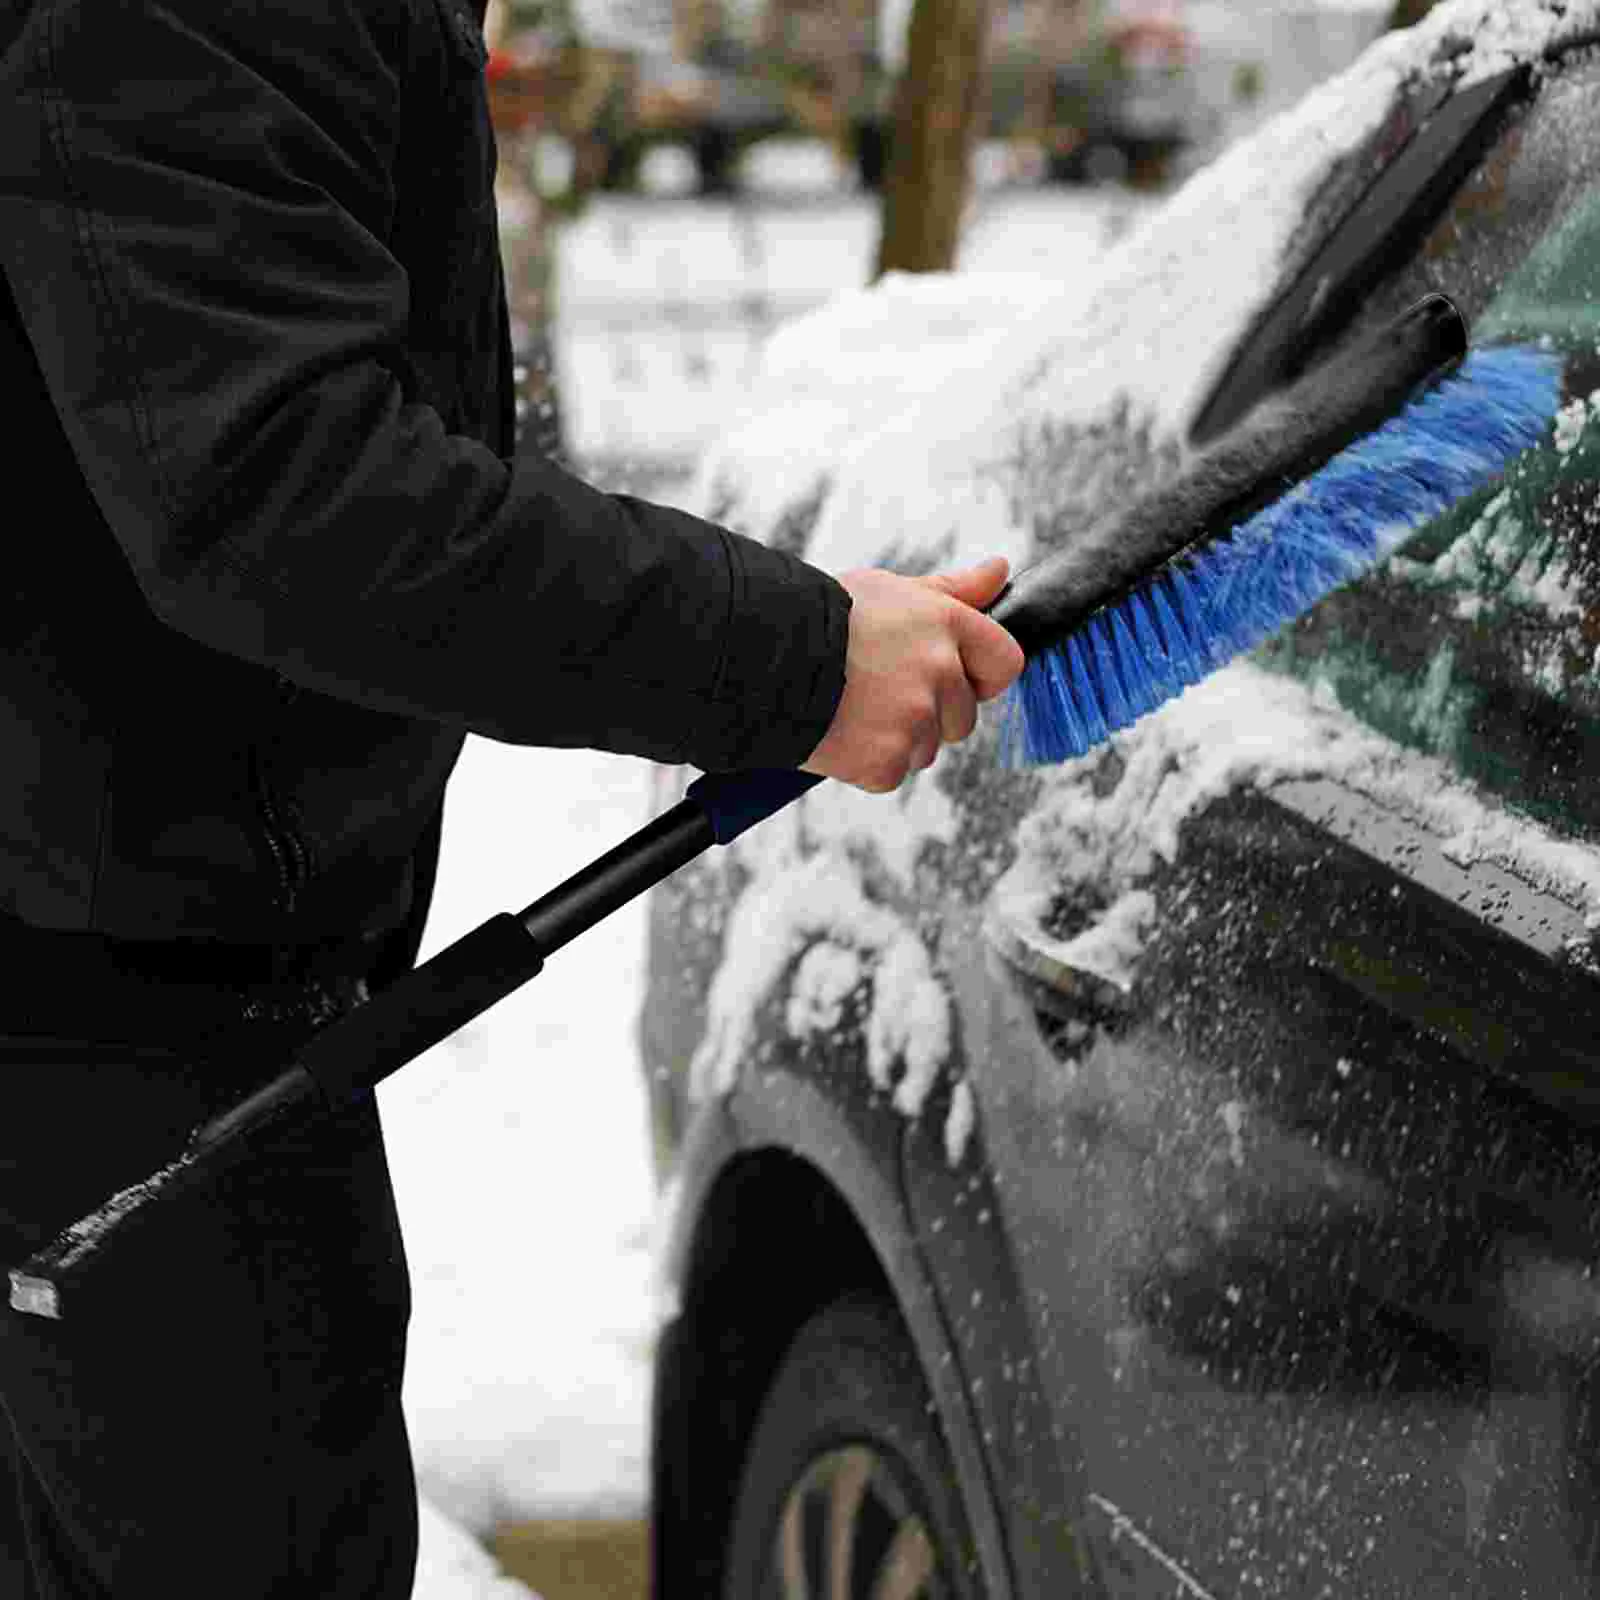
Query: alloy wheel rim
column 849, row 1531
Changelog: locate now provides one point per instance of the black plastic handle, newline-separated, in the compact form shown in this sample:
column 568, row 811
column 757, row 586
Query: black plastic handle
column 356, row 1052
column 427, row 1005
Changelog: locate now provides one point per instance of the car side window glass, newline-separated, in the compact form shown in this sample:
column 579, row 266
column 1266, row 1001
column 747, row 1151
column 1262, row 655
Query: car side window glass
column 1480, row 642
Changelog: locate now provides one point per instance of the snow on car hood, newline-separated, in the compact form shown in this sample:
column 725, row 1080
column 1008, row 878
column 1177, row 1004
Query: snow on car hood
column 903, row 419
column 941, row 419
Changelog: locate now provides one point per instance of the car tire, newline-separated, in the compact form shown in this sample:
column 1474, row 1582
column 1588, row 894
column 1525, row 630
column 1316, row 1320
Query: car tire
column 847, row 1469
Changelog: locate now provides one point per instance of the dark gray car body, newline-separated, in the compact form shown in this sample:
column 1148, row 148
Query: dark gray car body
column 1267, row 1267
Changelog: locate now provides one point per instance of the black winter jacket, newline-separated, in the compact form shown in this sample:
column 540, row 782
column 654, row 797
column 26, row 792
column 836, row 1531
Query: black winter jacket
column 269, row 553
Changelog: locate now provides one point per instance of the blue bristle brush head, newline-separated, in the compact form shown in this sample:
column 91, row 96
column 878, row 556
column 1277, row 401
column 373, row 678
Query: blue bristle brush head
column 1230, row 589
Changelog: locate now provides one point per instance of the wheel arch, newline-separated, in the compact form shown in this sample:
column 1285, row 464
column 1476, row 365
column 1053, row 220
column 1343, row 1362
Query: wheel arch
column 832, row 1221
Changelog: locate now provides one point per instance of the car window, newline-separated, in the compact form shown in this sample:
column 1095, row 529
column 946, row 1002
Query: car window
column 1480, row 643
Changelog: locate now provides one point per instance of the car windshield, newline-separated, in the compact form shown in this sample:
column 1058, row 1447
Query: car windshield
column 1478, row 644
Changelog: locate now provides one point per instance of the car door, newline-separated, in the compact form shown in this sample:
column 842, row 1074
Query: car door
column 1286, row 1042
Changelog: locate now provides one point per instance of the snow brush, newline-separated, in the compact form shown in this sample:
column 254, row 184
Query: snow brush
column 1309, row 490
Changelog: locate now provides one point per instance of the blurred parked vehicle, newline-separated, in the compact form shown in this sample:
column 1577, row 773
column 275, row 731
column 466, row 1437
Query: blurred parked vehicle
column 612, row 106
column 1101, row 92
column 1124, row 106
column 1178, row 1173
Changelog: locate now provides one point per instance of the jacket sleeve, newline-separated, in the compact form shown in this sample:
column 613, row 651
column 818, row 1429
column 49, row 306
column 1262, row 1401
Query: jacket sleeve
column 195, row 198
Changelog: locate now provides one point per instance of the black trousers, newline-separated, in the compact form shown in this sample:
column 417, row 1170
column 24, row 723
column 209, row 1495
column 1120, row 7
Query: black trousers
column 218, row 1411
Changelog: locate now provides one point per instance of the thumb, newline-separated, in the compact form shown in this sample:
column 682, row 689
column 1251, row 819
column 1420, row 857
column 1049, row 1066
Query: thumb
column 973, row 586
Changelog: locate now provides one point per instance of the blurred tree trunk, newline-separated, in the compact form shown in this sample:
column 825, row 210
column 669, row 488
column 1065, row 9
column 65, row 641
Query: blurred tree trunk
column 1407, row 12
column 937, row 107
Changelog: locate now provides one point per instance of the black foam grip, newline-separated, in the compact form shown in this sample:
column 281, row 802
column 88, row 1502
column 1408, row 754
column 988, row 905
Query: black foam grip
column 425, row 1006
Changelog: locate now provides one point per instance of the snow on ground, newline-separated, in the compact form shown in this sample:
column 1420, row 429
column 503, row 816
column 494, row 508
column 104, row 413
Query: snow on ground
column 452, row 1565
column 665, row 305
column 521, row 1160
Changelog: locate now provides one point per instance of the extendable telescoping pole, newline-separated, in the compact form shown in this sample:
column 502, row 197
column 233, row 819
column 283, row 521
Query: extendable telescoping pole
column 416, row 1012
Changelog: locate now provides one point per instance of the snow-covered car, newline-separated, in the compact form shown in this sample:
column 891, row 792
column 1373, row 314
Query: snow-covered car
column 1174, row 1173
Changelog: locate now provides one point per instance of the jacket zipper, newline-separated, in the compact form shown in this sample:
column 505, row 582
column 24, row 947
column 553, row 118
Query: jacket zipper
column 290, row 856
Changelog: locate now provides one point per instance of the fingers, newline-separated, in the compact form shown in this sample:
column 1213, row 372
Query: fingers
column 990, row 656
column 958, row 710
column 926, row 737
column 921, row 656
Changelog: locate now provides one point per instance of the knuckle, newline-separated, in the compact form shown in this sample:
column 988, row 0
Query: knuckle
column 886, row 768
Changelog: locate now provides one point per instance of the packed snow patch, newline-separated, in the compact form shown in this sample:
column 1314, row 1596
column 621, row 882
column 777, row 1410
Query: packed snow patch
column 1111, row 946
column 1506, row 557
column 894, row 829
column 829, row 383
column 820, row 903
column 826, row 977
column 1573, row 418
column 959, row 1123
column 823, row 878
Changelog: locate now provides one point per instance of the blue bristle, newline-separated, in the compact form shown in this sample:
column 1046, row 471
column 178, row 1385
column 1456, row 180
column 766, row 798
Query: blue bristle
column 1049, row 727
column 1085, row 695
column 1061, row 698
column 1180, row 647
column 1103, row 660
column 1217, row 601
column 1210, row 579
column 1135, row 667
column 1149, row 650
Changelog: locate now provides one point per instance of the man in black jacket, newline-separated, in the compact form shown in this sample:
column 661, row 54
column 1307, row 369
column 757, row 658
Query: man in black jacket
column 270, row 558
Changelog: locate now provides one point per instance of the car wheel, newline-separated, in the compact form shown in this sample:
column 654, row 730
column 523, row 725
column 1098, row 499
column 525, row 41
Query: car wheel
column 1106, row 163
column 847, row 1490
